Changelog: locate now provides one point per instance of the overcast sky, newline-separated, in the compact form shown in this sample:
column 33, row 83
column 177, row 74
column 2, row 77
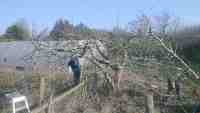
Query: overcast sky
column 95, row 13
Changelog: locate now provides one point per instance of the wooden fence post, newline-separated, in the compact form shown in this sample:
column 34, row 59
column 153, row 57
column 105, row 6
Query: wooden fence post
column 42, row 89
column 149, row 104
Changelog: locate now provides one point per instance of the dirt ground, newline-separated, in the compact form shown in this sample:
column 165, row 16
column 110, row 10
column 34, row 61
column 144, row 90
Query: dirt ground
column 123, row 102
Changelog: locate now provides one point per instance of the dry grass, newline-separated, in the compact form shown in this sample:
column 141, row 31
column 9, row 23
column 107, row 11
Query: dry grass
column 29, row 84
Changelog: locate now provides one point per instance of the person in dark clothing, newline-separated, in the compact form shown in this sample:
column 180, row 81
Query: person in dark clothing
column 75, row 66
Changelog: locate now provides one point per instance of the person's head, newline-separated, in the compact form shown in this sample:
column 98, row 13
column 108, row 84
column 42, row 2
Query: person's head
column 74, row 60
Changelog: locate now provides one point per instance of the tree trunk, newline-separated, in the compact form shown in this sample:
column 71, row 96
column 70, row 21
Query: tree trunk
column 169, row 86
column 178, row 88
column 92, row 85
column 42, row 90
column 149, row 104
column 51, row 105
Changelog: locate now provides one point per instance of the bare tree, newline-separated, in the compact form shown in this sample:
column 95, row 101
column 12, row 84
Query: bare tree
column 140, row 25
column 162, row 23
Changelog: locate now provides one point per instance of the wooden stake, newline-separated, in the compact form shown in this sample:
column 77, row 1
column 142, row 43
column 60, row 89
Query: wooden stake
column 149, row 104
column 42, row 89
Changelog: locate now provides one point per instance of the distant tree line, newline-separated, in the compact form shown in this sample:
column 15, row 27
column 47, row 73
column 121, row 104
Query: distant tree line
column 62, row 30
column 17, row 31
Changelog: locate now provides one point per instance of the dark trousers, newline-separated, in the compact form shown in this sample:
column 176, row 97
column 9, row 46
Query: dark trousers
column 77, row 75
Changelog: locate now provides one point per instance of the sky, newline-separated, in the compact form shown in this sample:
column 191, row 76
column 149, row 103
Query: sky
column 102, row 14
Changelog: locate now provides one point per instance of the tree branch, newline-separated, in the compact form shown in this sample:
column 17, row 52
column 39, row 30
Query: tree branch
column 176, row 56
